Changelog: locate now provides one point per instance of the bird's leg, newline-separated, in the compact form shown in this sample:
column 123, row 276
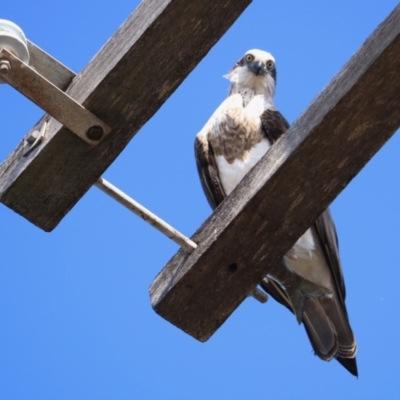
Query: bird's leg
column 298, row 289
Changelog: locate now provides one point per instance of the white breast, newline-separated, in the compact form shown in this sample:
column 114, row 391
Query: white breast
column 307, row 259
column 232, row 174
column 305, row 246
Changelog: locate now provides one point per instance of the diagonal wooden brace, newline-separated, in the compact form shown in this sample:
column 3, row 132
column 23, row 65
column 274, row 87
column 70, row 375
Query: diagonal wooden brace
column 50, row 98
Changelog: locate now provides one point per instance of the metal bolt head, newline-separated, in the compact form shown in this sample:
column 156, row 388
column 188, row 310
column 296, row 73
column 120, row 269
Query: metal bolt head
column 95, row 133
column 4, row 67
column 32, row 136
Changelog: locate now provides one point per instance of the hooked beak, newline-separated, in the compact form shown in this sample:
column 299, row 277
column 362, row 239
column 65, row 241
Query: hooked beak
column 257, row 67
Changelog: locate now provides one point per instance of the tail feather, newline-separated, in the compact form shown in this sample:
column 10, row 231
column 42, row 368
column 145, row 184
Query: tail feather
column 338, row 316
column 326, row 323
column 320, row 330
column 350, row 364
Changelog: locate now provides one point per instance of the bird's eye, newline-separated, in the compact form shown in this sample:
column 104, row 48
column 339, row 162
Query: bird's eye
column 249, row 58
column 270, row 65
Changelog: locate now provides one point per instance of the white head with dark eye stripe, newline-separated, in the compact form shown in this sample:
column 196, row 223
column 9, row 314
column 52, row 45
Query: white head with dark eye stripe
column 255, row 72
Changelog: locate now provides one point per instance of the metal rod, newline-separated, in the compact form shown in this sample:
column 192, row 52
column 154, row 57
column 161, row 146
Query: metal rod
column 145, row 214
column 159, row 224
column 259, row 295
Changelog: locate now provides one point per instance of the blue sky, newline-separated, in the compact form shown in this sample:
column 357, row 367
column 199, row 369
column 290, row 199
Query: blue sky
column 76, row 320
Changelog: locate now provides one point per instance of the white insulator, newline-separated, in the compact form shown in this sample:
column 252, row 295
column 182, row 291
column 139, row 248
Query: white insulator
column 13, row 39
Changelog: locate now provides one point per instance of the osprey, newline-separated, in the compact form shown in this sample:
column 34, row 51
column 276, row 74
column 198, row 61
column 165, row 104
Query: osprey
column 234, row 139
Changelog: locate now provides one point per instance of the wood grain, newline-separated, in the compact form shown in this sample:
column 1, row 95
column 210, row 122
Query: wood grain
column 292, row 185
column 124, row 86
column 46, row 65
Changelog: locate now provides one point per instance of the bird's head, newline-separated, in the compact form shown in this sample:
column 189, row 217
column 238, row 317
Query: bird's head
column 256, row 72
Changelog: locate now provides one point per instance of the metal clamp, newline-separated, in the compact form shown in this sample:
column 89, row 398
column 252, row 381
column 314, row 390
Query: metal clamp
column 14, row 70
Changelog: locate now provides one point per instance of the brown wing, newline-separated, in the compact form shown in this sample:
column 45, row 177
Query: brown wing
column 208, row 171
column 274, row 124
column 326, row 230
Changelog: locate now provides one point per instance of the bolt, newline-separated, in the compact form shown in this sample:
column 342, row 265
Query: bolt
column 95, row 133
column 4, row 67
column 32, row 136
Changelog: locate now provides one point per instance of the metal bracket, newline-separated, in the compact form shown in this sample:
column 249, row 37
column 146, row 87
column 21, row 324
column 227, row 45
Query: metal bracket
column 50, row 98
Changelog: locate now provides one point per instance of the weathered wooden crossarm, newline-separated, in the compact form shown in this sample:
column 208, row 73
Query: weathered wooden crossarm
column 53, row 70
column 303, row 172
column 124, row 85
